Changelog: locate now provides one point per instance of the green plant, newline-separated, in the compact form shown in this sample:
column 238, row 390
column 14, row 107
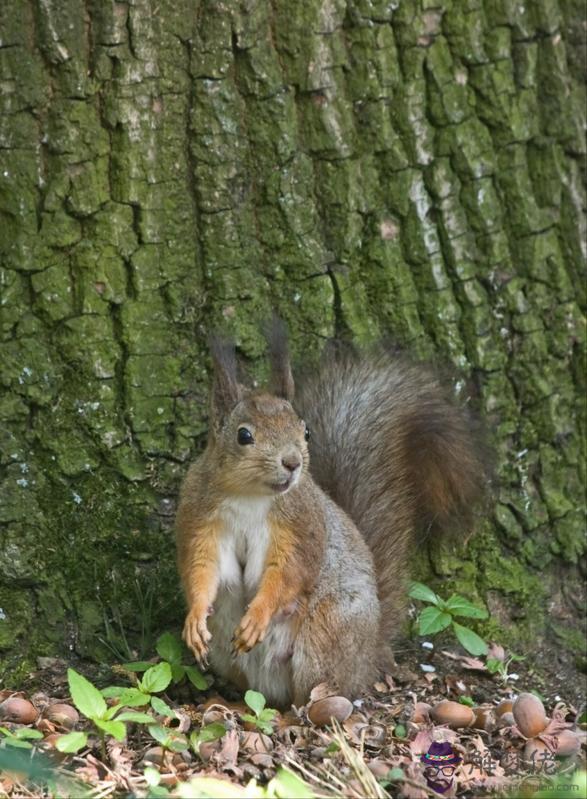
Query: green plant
column 107, row 720
column 501, row 667
column 168, row 738
column 20, row 737
column 211, row 732
column 441, row 614
column 263, row 715
column 116, row 638
column 171, row 651
column 155, row 679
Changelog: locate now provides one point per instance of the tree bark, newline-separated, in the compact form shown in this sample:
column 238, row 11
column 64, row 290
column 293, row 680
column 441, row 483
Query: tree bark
column 404, row 169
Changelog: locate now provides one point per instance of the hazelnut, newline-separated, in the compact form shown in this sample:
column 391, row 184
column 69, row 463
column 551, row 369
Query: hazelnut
column 505, row 706
column 322, row 711
column 421, row 713
column 62, row 715
column 484, row 719
column 568, row 743
column 21, row 711
column 529, row 715
column 452, row 713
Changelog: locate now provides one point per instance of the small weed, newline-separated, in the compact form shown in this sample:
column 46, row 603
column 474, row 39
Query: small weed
column 441, row 614
column 107, row 720
column 263, row 715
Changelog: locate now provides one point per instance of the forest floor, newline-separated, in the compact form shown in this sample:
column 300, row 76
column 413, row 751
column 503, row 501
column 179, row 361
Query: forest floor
column 215, row 745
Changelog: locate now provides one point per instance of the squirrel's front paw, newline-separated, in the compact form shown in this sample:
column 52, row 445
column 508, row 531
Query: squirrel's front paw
column 196, row 635
column 251, row 630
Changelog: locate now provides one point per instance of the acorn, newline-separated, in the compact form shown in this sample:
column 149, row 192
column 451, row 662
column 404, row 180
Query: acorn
column 452, row 713
column 62, row 715
column 421, row 713
column 18, row 710
column 322, row 711
column 529, row 715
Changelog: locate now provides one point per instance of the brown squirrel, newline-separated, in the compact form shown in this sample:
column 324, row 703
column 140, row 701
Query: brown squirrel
column 283, row 591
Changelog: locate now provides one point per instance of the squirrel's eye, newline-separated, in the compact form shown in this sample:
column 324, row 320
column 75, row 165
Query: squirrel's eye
column 307, row 433
column 244, row 436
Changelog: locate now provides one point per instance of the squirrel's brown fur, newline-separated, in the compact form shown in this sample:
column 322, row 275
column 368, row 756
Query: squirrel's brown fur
column 282, row 590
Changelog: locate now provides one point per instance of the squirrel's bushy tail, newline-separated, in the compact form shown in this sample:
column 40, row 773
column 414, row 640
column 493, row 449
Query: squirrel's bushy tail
column 397, row 454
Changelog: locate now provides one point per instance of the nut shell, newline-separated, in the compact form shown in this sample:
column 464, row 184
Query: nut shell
column 452, row 713
column 255, row 742
column 568, row 743
column 484, row 719
column 63, row 715
column 505, row 706
column 535, row 750
column 529, row 715
column 421, row 713
column 19, row 710
column 322, row 711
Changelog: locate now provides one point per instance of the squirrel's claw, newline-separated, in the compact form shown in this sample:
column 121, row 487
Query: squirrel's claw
column 196, row 635
column 251, row 631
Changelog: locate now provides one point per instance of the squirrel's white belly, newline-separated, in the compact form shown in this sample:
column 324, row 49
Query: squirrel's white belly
column 243, row 546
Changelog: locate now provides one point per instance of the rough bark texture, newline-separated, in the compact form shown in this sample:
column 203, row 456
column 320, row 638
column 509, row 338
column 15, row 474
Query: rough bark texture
column 410, row 169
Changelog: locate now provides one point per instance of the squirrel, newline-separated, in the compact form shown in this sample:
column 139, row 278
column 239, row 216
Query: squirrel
column 293, row 568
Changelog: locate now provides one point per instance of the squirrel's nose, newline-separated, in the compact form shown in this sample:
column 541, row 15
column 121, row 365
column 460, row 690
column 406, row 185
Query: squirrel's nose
column 291, row 463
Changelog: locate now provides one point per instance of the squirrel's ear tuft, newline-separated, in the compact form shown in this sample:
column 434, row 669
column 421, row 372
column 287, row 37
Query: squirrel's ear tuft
column 282, row 383
column 226, row 392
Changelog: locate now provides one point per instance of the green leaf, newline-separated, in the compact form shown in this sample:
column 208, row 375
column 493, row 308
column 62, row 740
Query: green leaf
column 169, row 648
column 178, row 672
column 117, row 729
column 255, row 701
column 211, row 732
column 161, row 707
column 152, row 776
column 432, row 620
column 395, row 774
column 423, row 593
column 494, row 665
column 459, row 606
column 139, row 665
column 132, row 697
column 287, row 785
column 72, row 742
column 196, row 677
column 159, row 733
column 268, row 714
column 332, row 747
column 470, row 640
column 112, row 711
column 467, row 700
column 156, row 679
column 249, row 717
column 25, row 732
column 86, row 696
column 17, row 743
column 265, row 727
column 138, row 718
column 113, row 691
column 177, row 743
column 400, row 731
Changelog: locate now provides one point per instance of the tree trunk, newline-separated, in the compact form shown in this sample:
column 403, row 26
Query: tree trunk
column 369, row 168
